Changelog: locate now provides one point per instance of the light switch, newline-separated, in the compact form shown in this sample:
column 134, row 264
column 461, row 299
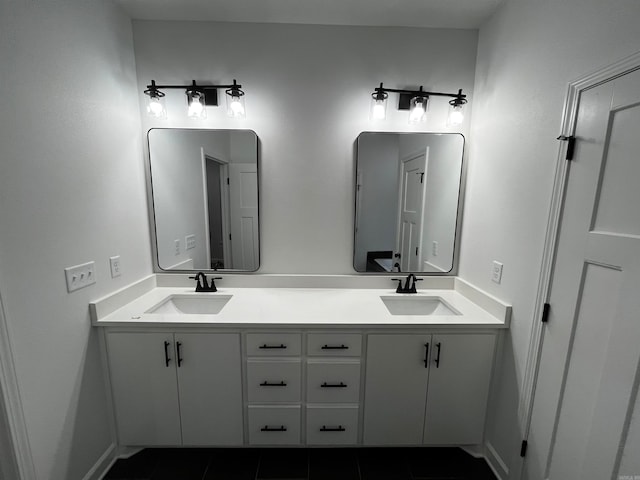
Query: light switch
column 80, row 276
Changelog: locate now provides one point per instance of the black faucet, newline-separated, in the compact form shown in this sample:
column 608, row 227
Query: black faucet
column 409, row 284
column 204, row 285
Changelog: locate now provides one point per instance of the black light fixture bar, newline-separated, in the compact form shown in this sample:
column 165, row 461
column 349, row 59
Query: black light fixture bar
column 210, row 91
column 406, row 95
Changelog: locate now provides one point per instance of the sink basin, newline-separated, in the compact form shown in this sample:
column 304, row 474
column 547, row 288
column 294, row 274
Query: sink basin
column 191, row 304
column 402, row 305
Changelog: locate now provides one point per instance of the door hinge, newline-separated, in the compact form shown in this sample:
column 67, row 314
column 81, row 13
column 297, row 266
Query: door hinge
column 571, row 145
column 545, row 313
column 416, row 250
column 227, row 180
column 523, row 448
column 229, row 236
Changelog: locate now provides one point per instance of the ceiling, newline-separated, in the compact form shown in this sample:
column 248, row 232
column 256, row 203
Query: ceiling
column 395, row 13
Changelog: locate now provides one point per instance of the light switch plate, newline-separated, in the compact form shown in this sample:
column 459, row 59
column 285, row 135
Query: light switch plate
column 496, row 272
column 114, row 263
column 80, row 276
column 190, row 242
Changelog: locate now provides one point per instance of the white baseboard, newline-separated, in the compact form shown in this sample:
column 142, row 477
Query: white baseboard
column 495, row 462
column 102, row 466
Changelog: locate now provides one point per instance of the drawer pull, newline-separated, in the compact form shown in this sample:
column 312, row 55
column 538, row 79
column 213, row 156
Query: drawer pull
column 339, row 428
column 272, row 384
column 272, row 347
column 267, row 428
column 334, row 347
column 333, row 385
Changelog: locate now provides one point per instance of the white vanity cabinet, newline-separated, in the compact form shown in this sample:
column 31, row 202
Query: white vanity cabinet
column 427, row 388
column 176, row 388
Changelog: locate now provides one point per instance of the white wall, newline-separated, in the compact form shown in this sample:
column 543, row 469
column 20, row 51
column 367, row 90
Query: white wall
column 378, row 196
column 71, row 191
column 528, row 52
column 441, row 201
column 308, row 91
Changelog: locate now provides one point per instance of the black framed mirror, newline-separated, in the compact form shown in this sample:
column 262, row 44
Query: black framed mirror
column 204, row 192
column 407, row 196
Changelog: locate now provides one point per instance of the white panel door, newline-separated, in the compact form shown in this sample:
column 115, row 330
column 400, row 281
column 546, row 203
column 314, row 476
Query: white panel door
column 243, row 193
column 395, row 389
column 145, row 391
column 459, row 377
column 210, row 386
column 412, row 178
column 587, row 383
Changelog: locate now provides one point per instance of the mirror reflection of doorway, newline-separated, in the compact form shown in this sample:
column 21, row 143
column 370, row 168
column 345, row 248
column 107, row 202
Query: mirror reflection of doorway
column 216, row 194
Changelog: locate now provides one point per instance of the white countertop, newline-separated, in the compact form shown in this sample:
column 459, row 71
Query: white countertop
column 299, row 308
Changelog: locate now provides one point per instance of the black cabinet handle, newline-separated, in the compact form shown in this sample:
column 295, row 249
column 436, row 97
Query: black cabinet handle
column 438, row 345
column 334, row 347
column 426, row 356
column 166, row 353
column 178, row 345
column 267, row 428
column 268, row 347
column 271, row 384
column 333, row 385
column 339, row 428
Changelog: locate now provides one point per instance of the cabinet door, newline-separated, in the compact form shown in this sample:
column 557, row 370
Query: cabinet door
column 395, row 389
column 145, row 392
column 459, row 376
column 210, row 383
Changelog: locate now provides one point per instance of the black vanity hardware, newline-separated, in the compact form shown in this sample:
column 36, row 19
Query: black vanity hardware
column 333, row 385
column 166, row 354
column 438, row 345
column 409, row 284
column 339, row 428
column 272, row 347
column 426, row 356
column 334, row 347
column 272, row 384
column 202, row 284
column 267, row 428
column 178, row 348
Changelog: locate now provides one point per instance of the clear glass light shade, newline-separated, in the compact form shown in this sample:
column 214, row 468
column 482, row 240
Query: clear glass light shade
column 378, row 109
column 156, row 107
column 456, row 115
column 196, row 104
column 418, row 110
column 235, row 105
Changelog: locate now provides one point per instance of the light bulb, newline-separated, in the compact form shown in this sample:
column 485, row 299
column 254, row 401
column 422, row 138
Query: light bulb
column 155, row 107
column 236, row 107
column 378, row 108
column 196, row 105
column 418, row 110
column 456, row 115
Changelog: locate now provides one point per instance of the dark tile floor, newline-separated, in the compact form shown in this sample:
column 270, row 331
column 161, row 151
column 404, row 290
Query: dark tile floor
column 301, row 464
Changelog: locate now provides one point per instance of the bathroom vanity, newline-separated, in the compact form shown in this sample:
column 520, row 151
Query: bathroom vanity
column 299, row 366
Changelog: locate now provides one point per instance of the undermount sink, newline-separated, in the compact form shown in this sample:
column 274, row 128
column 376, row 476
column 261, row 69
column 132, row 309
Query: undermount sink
column 405, row 305
column 191, row 304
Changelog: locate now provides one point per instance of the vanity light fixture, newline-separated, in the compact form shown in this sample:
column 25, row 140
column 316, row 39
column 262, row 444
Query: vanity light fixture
column 198, row 98
column 416, row 101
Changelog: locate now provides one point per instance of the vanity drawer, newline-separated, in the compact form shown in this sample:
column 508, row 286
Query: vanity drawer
column 333, row 382
column 273, row 381
column 273, row 344
column 271, row 425
column 334, row 344
column 332, row 425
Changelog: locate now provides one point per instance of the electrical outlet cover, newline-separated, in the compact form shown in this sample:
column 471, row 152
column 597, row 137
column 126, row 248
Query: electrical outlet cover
column 496, row 272
column 114, row 263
